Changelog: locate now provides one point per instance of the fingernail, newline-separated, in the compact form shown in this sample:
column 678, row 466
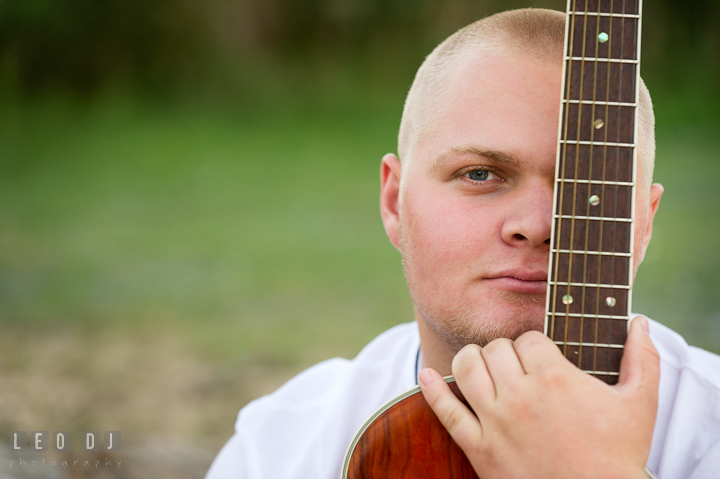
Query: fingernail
column 425, row 377
column 643, row 324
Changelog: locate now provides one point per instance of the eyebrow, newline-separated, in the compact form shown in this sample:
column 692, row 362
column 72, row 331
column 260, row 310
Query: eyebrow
column 498, row 157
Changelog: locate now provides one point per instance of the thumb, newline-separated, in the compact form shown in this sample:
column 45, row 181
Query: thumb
column 640, row 365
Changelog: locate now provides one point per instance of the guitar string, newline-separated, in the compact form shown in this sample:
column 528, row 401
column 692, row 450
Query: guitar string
column 587, row 203
column 636, row 76
column 635, row 94
column 561, row 221
column 575, row 182
column 598, row 298
column 572, row 6
column 558, row 233
column 613, row 256
column 602, row 190
column 619, row 117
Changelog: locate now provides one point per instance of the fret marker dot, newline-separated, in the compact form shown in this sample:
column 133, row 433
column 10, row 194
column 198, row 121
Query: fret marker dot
column 594, row 200
column 598, row 124
column 610, row 301
column 567, row 299
column 603, row 37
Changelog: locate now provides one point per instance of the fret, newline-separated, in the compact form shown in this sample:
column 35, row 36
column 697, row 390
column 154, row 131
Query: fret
column 581, row 315
column 602, row 60
column 627, row 7
column 619, row 76
column 582, row 252
column 601, row 103
column 593, row 359
column 587, row 329
column 599, row 143
column 591, row 345
column 588, row 162
column 609, row 379
column 591, row 285
column 608, row 124
column 589, row 300
column 595, row 235
column 592, row 270
column 604, row 14
column 593, row 218
column 595, row 182
column 618, row 324
column 620, row 34
column 606, row 373
column 603, row 200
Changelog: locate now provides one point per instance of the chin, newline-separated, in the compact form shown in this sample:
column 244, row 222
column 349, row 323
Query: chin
column 515, row 315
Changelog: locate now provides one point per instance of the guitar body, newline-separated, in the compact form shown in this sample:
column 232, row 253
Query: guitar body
column 405, row 440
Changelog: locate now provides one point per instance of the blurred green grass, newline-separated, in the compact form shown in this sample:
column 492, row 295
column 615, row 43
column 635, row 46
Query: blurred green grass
column 256, row 233
column 249, row 236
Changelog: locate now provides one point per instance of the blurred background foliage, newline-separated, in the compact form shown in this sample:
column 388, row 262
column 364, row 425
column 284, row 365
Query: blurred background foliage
column 189, row 45
column 188, row 198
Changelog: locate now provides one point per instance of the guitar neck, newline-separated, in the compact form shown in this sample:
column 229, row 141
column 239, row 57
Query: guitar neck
column 590, row 271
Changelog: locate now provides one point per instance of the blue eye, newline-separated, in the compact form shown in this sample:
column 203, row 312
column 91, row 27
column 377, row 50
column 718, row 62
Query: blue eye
column 478, row 175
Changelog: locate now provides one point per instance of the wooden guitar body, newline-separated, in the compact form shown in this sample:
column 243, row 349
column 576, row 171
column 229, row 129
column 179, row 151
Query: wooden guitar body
column 405, row 440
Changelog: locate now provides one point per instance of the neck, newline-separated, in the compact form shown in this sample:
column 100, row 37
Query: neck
column 436, row 352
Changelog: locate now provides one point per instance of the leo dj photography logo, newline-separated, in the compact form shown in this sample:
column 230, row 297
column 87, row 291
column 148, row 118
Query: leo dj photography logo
column 61, row 441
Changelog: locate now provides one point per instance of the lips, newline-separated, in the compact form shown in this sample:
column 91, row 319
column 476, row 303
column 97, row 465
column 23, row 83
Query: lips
column 520, row 281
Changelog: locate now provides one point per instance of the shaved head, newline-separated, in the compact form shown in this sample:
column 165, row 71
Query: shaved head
column 531, row 34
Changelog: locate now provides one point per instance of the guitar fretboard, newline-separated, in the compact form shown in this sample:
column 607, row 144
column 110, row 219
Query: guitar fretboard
column 589, row 285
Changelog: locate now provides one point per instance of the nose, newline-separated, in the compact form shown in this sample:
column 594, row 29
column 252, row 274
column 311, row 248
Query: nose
column 529, row 217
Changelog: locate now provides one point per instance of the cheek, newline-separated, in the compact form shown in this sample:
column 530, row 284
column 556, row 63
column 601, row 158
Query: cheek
column 442, row 234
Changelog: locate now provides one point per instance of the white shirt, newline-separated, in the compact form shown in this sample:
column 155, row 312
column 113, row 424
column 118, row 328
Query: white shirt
column 303, row 429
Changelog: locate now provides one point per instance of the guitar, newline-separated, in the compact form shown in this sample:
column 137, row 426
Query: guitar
column 590, row 266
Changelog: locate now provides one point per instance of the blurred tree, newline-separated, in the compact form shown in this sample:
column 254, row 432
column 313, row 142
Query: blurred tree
column 85, row 44
column 681, row 42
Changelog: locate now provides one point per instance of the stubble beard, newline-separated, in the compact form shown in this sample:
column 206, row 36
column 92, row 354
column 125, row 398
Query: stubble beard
column 461, row 323
column 465, row 324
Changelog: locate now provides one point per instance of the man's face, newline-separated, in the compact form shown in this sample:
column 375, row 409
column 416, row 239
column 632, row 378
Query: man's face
column 471, row 209
column 475, row 200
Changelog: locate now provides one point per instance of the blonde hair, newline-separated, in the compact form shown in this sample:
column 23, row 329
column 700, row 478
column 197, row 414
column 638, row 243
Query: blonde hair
column 534, row 33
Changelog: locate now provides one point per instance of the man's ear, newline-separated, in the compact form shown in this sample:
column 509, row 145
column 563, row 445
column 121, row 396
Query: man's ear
column 656, row 191
column 390, row 171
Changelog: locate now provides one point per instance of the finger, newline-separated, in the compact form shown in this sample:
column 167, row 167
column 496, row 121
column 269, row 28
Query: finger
column 502, row 363
column 473, row 378
column 537, row 352
column 640, row 365
column 463, row 426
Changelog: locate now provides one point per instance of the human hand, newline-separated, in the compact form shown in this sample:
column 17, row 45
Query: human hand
column 537, row 415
